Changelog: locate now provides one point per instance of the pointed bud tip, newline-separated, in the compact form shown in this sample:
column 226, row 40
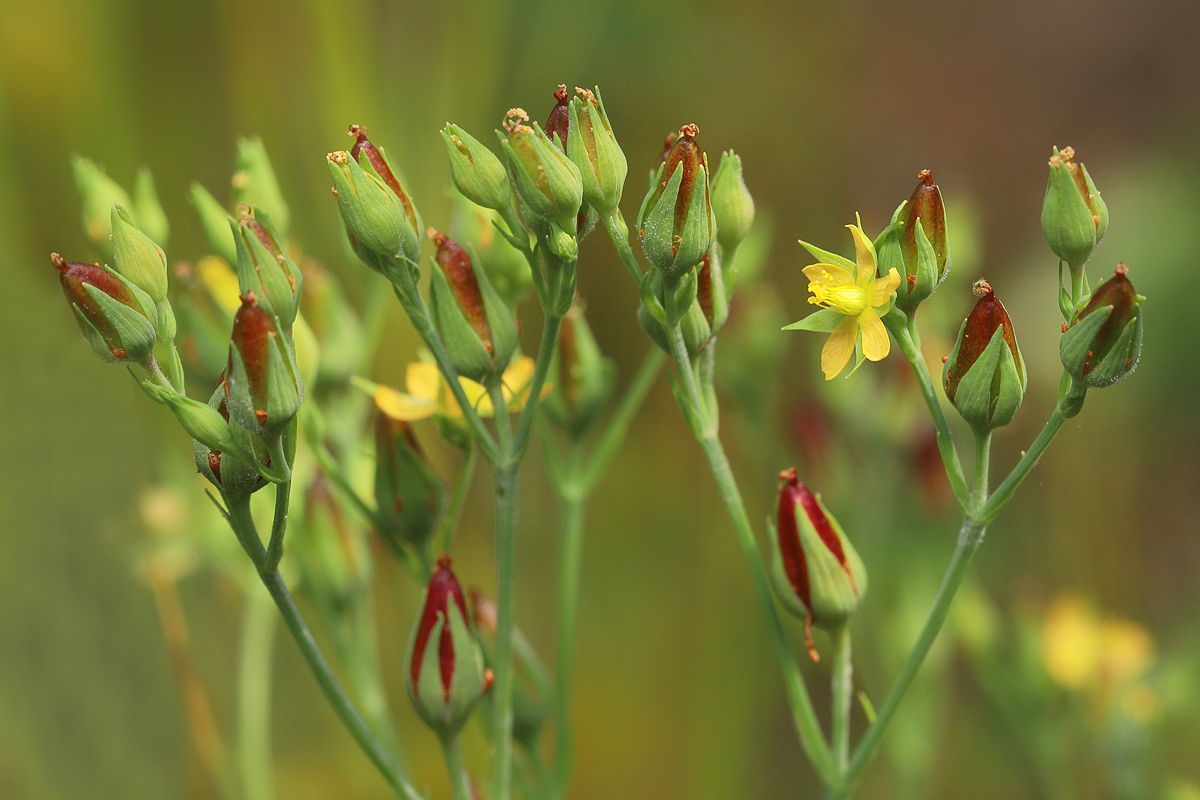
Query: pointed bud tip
column 515, row 120
column 981, row 288
column 1121, row 271
column 338, row 157
column 58, row 261
column 925, row 177
column 359, row 132
column 561, row 94
column 249, row 300
column 788, row 476
column 436, row 236
column 690, row 131
column 588, row 96
column 443, row 562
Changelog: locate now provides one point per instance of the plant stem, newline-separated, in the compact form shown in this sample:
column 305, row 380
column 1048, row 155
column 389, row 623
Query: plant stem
column 460, row 779
column 618, row 231
column 570, row 559
column 254, row 695
column 842, row 691
column 618, row 425
column 1004, row 491
column 983, row 457
column 283, row 494
column 458, row 499
column 545, row 354
column 909, row 339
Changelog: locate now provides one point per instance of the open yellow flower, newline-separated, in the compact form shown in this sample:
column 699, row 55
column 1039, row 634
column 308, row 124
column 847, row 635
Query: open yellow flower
column 857, row 294
column 429, row 394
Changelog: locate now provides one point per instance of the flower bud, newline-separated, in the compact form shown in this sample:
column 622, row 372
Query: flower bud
column 585, row 377
column 223, row 462
column 138, row 258
column 1074, row 218
column 100, row 193
column 816, row 572
column 530, row 704
column 704, row 316
column 915, row 244
column 594, row 149
column 372, row 213
column 366, row 154
column 733, row 207
column 408, row 494
column 255, row 184
column 477, row 172
column 478, row 330
column 262, row 383
column 445, row 676
column 215, row 221
column 264, row 268
column 984, row 375
column 547, row 182
column 1104, row 341
column 676, row 222
column 117, row 318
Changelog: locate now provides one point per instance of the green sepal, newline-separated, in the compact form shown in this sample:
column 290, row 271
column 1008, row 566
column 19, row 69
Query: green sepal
column 467, row 352
column 477, row 173
column 411, row 238
column 134, row 329
column 1066, row 219
column 372, row 213
column 137, row 257
column 834, row 591
column 1073, row 346
column 656, row 224
column 215, row 221
column 822, row 321
column 696, row 235
column 602, row 166
column 990, row 392
column 827, row 257
column 1121, row 359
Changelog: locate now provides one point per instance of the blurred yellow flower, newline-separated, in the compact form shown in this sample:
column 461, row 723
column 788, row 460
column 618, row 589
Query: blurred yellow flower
column 857, row 296
column 1081, row 651
column 428, row 394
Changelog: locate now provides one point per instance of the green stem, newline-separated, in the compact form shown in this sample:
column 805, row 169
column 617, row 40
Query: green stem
column 618, row 426
column 460, row 779
column 450, row 519
column 572, row 497
column 983, row 457
column 506, row 533
column 969, row 537
column 618, row 231
column 1004, row 491
column 283, row 494
column 842, row 691
column 909, row 339
column 254, row 695
column 359, row 653
column 545, row 354
column 243, row 526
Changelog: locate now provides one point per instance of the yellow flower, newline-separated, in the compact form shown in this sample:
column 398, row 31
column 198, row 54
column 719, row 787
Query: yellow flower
column 857, row 296
column 429, row 394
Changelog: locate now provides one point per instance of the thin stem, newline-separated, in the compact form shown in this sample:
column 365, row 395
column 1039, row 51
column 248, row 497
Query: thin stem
column 243, row 526
column 842, row 690
column 458, row 499
column 502, row 691
column 460, row 779
column 1029, row 460
column 570, row 560
column 983, row 457
column 969, row 537
column 618, row 231
column 354, row 634
column 254, row 695
column 909, row 339
column 283, row 493
column 618, row 425
column 545, row 354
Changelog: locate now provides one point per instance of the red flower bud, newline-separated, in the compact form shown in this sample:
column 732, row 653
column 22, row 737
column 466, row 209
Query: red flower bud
column 982, row 322
column 456, row 265
column 384, row 170
column 559, row 121
column 925, row 203
column 1101, row 351
column 262, row 383
column 443, row 588
column 984, row 376
column 118, row 319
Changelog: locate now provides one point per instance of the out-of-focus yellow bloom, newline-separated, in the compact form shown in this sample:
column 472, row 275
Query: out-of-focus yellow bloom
column 1081, row 651
column 857, row 296
column 221, row 283
column 428, row 394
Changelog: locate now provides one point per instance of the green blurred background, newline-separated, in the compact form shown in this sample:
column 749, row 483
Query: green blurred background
column 834, row 108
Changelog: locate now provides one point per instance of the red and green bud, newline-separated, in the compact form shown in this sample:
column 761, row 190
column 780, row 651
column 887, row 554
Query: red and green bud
column 816, row 572
column 984, row 376
column 372, row 213
column 117, row 318
column 1104, row 341
column 676, row 223
column 366, row 154
column 1074, row 217
column 733, row 207
column 264, row 268
column 915, row 244
column 224, row 459
column 478, row 330
column 547, row 182
column 585, row 377
column 255, row 183
column 532, row 688
column 477, row 172
column 559, row 121
column 262, row 383
column 409, row 495
column 445, row 674
column 594, row 149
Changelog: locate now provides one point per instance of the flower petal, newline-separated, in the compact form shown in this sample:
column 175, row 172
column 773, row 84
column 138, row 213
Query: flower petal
column 875, row 342
column 864, row 254
column 517, row 376
column 423, row 380
column 881, row 288
column 399, row 405
column 838, row 347
column 828, row 274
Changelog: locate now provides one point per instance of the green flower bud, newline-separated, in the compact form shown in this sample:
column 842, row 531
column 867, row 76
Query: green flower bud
column 255, row 184
column 149, row 212
column 506, row 266
column 264, row 268
column 117, row 318
column 676, row 223
column 223, row 459
column 373, row 159
column 585, row 377
column 1074, row 218
column 915, row 244
column 262, row 383
column 215, row 221
column 445, row 676
column 547, row 182
column 372, row 213
column 1104, row 341
column 984, row 375
column 137, row 257
column 816, row 572
column 100, row 193
column 705, row 315
column 477, row 172
column 733, row 207
column 335, row 325
column 478, row 330
column 409, row 495
column 593, row 148
column 531, row 705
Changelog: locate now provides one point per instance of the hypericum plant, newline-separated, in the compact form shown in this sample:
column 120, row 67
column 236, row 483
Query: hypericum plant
column 281, row 415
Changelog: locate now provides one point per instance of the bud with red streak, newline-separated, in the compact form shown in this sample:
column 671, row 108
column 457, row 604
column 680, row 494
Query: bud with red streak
column 916, row 244
column 477, row 328
column 676, row 223
column 445, row 674
column 984, row 376
column 366, row 153
column 1074, row 217
column 264, row 268
column 409, row 495
column 262, row 383
column 1104, row 340
column 816, row 572
column 594, row 149
column 547, row 182
column 117, row 318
